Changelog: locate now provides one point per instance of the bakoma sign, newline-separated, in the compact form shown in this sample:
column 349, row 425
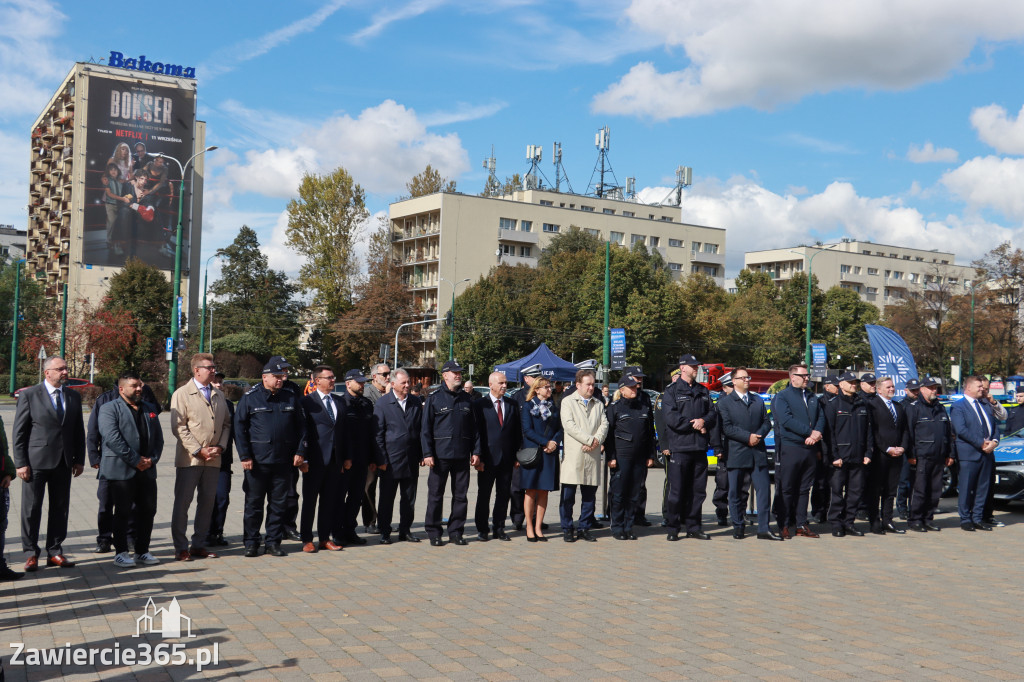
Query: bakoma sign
column 142, row 64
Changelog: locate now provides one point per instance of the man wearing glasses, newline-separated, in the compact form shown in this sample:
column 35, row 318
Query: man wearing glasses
column 380, row 383
column 201, row 422
column 321, row 483
column 799, row 423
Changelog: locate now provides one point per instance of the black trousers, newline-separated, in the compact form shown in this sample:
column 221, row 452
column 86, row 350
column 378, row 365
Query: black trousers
column 640, row 511
column 906, row 484
column 369, row 505
column 847, row 489
column 56, row 485
column 437, row 481
column 720, row 498
column 321, row 491
column 105, row 514
column 266, row 484
column 927, row 490
column 220, row 505
column 498, row 478
column 883, row 480
column 517, row 515
column 798, row 467
column 687, row 490
column 739, row 486
column 134, row 503
column 624, row 487
column 821, row 490
column 352, row 490
column 291, row 513
column 389, row 487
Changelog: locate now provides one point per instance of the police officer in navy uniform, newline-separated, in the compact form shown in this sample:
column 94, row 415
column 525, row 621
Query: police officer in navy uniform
column 270, row 439
column 640, row 512
column 930, row 448
column 821, row 492
column 911, row 393
column 849, row 441
column 449, row 438
column 720, row 498
column 629, row 450
column 360, row 456
column 689, row 418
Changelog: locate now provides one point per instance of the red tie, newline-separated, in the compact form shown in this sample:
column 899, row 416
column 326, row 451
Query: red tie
column 497, row 406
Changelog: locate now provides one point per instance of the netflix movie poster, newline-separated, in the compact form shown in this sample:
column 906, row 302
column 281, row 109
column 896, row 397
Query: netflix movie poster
column 131, row 192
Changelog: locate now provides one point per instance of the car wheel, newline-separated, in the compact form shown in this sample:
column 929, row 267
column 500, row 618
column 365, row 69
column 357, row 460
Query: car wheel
column 949, row 481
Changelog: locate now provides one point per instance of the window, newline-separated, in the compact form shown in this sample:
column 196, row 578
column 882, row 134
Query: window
column 633, row 239
column 617, row 238
column 954, row 281
column 711, row 271
column 608, row 211
column 592, row 231
column 653, row 242
column 695, row 269
column 912, row 276
column 586, row 208
column 918, row 258
column 675, row 266
column 872, row 290
column 711, row 248
column 695, row 247
column 667, row 218
column 629, row 214
column 945, row 262
column 872, row 271
column 893, row 255
column 678, row 243
column 507, row 249
column 798, row 266
column 866, row 252
column 856, row 269
column 888, row 273
column 525, row 251
column 549, row 227
column 526, row 226
column 546, row 203
column 906, row 258
column 844, row 269
column 897, row 274
column 650, row 216
column 507, row 223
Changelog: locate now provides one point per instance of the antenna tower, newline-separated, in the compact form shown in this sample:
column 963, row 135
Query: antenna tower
column 492, row 187
column 603, row 140
column 534, row 152
column 556, row 158
column 684, row 178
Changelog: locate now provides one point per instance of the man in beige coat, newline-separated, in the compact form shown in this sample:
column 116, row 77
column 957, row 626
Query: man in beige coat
column 202, row 426
column 585, row 427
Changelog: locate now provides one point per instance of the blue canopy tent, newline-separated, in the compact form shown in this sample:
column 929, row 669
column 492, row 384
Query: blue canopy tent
column 554, row 367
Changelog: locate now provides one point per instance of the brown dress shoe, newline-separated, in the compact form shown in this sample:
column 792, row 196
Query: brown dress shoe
column 60, row 560
column 308, row 547
column 786, row 533
column 806, row 532
column 184, row 555
column 32, row 564
column 202, row 554
column 330, row 546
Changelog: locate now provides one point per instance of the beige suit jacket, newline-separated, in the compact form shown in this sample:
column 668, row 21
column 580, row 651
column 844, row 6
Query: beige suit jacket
column 198, row 424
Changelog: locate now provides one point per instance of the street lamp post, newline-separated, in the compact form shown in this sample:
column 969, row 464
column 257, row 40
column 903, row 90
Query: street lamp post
column 172, row 369
column 807, row 330
column 970, row 367
column 202, row 322
column 451, row 332
column 14, row 321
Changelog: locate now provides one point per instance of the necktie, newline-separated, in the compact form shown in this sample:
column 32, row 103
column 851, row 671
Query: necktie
column 981, row 416
column 206, row 394
column 501, row 418
column 746, row 401
column 59, row 398
column 329, row 406
column 892, row 410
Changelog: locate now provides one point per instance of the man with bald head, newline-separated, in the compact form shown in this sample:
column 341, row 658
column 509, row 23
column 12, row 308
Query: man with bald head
column 501, row 435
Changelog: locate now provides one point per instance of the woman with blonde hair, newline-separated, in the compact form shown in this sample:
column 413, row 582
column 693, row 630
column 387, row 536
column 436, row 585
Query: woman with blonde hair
column 542, row 428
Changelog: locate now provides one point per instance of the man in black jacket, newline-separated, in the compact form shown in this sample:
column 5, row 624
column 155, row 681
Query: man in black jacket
column 848, row 446
column 629, row 450
column 398, row 416
column 930, row 449
column 219, row 513
column 501, row 435
column 359, row 458
column 799, row 425
column 689, row 417
column 720, row 498
column 744, row 425
column 911, row 392
column 889, row 425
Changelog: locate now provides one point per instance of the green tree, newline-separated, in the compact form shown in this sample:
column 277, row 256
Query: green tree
column 140, row 295
column 429, row 182
column 1002, row 270
column 843, row 317
column 252, row 297
column 37, row 315
column 757, row 333
column 572, row 239
column 792, row 304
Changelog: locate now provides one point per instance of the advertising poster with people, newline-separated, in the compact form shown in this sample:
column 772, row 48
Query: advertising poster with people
column 131, row 191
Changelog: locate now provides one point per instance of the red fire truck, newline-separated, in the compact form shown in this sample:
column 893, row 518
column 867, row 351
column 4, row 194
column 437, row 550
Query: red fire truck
column 710, row 375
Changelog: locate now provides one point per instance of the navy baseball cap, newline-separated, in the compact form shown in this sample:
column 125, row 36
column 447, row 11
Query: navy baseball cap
column 276, row 365
column 451, row 366
column 688, row 360
column 355, row 375
column 634, row 371
column 931, row 382
column 834, row 379
column 868, row 378
column 912, row 385
column 850, row 377
column 629, row 381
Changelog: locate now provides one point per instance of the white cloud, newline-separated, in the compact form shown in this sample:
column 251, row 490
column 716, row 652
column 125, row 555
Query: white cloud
column 997, row 130
column 388, row 16
column 929, row 153
column 382, row 148
column 27, row 64
column 989, row 182
column 461, row 113
column 817, row 144
column 765, row 54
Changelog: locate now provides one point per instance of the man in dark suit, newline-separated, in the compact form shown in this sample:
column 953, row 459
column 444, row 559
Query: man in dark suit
column 49, row 449
column 322, row 479
column 799, row 426
column 889, row 426
column 132, row 444
column 357, row 413
column 501, row 436
column 397, row 417
column 977, row 435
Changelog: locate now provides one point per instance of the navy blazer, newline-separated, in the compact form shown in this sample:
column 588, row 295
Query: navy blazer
column 324, row 436
column 739, row 421
column 120, row 442
column 969, row 432
column 794, row 419
column 537, row 431
column 498, row 442
column 396, row 434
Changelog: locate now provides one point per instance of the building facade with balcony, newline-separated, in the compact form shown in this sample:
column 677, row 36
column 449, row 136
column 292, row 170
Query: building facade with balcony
column 882, row 274
column 444, row 238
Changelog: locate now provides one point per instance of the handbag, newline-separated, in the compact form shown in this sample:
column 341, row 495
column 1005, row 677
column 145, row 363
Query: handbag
column 530, row 457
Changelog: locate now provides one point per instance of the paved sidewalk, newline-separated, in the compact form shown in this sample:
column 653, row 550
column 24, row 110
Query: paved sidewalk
column 920, row 606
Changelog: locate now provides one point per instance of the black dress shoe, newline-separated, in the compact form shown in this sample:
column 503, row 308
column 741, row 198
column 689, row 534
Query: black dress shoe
column 596, row 524
column 631, row 535
column 769, row 536
column 982, row 526
column 252, row 550
column 353, row 539
column 739, row 533
column 372, row 529
column 969, row 527
column 698, row 535
column 839, row 533
column 891, row 528
column 483, row 537
column 854, row 532
column 931, row 526
column 673, row 536
column 619, row 535
column 569, row 536
column 917, row 528
column 502, row 535
column 994, row 522
column 878, row 530
column 531, row 538
column 436, row 542
column 408, row 537
column 385, row 539
column 722, row 523
column 7, row 575
column 518, row 526
column 217, row 541
column 642, row 522
column 102, row 547
column 457, row 540
column 293, row 535
column 586, row 535
column 275, row 550
column 542, row 538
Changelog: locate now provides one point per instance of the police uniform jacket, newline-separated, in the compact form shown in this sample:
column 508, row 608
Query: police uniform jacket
column 630, row 429
column 449, row 426
column 738, row 421
column 269, row 427
column 396, row 434
column 930, row 431
column 358, row 444
column 1015, row 419
column 681, row 403
column 849, row 435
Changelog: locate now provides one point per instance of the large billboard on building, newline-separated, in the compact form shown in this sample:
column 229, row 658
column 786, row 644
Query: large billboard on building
column 131, row 206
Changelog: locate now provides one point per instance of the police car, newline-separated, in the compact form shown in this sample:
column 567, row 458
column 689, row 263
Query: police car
column 1009, row 475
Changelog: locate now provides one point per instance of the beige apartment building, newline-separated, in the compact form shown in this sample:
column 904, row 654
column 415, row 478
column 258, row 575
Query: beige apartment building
column 443, row 239
column 880, row 273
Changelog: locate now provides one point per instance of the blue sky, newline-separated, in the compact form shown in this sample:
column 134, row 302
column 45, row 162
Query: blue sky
column 897, row 121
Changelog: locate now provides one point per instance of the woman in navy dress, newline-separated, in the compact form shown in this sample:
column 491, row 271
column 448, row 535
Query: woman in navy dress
column 542, row 427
